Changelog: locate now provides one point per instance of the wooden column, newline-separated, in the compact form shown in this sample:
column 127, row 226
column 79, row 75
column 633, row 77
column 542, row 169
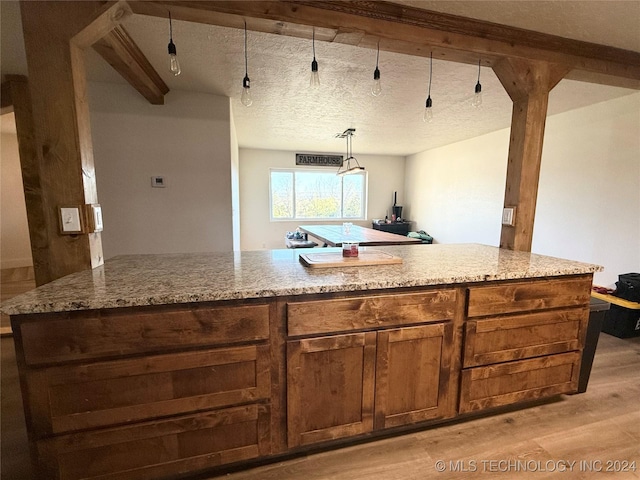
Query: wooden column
column 62, row 148
column 18, row 90
column 528, row 84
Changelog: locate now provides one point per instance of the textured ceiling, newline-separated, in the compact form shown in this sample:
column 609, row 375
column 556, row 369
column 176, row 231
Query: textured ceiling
column 287, row 115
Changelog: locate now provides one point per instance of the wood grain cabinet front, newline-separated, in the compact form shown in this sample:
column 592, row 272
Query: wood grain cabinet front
column 79, row 397
column 120, row 332
column 370, row 312
column 158, row 449
column 412, row 374
column 511, row 382
column 330, row 387
column 513, row 337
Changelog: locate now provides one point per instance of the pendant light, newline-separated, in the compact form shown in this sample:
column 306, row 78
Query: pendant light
column 428, row 110
column 477, row 97
column 347, row 168
column 174, row 65
column 245, row 98
column 314, row 80
column 376, row 87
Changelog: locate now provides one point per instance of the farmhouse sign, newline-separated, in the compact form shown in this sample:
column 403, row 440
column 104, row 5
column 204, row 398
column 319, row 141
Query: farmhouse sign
column 318, row 160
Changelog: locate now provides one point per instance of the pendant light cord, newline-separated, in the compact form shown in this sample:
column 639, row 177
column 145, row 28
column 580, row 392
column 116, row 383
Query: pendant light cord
column 378, row 55
column 313, row 42
column 170, row 28
column 246, row 65
column 479, row 60
column 430, row 72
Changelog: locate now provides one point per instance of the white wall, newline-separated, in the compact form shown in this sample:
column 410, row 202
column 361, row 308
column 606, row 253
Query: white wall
column 15, row 247
column 588, row 199
column 235, row 181
column 385, row 175
column 455, row 193
column 589, row 194
column 187, row 141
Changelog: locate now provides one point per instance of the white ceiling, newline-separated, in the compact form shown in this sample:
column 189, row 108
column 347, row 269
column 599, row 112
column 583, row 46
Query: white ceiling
column 287, row 115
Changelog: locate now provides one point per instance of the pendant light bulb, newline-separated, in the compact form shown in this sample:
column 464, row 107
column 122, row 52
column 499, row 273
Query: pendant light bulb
column 174, row 65
column 314, row 80
column 245, row 98
column 477, row 97
column 376, row 87
column 427, row 117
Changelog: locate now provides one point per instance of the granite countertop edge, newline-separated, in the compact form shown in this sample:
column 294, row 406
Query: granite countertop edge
column 79, row 292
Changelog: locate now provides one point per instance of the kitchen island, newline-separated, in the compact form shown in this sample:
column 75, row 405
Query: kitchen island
column 154, row 366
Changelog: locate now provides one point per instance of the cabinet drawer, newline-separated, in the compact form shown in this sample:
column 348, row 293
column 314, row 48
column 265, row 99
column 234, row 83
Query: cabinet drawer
column 158, row 449
column 79, row 397
column 534, row 295
column 116, row 333
column 507, row 383
column 324, row 316
column 495, row 340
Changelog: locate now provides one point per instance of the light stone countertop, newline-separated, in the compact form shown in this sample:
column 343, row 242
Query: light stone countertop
column 142, row 280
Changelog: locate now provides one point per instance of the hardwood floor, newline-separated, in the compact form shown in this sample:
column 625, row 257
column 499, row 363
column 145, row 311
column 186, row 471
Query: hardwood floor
column 602, row 424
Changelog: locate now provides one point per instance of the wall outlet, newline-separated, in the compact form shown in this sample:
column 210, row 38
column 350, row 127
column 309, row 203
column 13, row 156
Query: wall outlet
column 509, row 216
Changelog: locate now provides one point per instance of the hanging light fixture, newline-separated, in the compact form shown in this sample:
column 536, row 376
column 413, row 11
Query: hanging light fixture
column 376, row 87
column 477, row 97
column 347, row 168
column 428, row 111
column 314, row 80
column 174, row 65
column 245, row 98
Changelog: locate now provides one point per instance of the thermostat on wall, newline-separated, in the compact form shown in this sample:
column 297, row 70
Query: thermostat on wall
column 158, row 182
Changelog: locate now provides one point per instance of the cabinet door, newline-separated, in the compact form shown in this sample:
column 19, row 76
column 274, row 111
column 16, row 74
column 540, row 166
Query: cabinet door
column 330, row 384
column 412, row 374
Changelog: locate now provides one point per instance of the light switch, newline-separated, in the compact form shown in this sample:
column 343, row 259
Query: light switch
column 509, row 216
column 70, row 220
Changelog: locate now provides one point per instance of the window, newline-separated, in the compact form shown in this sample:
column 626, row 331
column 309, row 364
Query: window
column 317, row 195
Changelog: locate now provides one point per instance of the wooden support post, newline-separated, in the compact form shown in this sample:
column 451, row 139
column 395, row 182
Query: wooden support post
column 528, row 84
column 62, row 136
column 17, row 89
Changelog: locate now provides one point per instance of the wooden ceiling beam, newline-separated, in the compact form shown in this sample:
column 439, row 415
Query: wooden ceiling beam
column 112, row 42
column 409, row 30
column 122, row 53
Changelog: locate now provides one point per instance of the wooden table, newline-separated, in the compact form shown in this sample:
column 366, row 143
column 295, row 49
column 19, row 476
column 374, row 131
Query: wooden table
column 333, row 236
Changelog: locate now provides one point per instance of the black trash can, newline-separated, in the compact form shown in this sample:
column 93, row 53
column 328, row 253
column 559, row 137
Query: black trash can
column 598, row 309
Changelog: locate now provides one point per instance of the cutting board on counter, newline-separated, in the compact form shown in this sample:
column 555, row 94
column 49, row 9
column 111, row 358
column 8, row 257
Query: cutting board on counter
column 335, row 259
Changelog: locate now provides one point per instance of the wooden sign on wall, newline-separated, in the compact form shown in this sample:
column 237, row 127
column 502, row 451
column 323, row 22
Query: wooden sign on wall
column 313, row 160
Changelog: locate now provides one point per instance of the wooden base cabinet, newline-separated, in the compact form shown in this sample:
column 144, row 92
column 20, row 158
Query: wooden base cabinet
column 330, row 387
column 158, row 449
column 412, row 374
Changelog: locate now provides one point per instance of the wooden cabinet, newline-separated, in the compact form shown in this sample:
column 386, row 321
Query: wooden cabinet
column 338, row 384
column 158, row 449
column 330, row 387
column 412, row 374
column 145, row 393
column 78, row 397
column 523, row 341
column 501, row 339
column 370, row 312
column 512, row 382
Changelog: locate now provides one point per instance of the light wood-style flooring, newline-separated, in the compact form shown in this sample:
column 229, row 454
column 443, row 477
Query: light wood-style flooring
column 602, row 424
